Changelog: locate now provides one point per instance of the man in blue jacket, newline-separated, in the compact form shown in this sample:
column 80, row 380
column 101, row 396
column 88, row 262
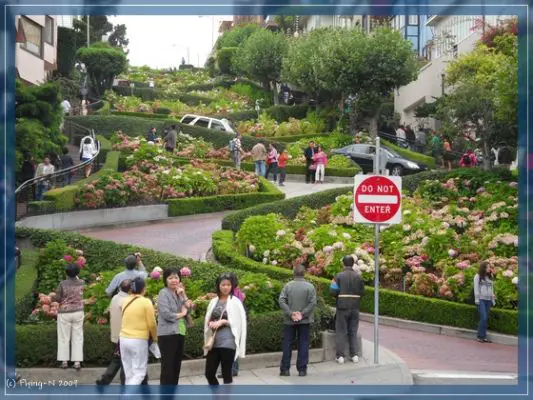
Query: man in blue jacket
column 347, row 287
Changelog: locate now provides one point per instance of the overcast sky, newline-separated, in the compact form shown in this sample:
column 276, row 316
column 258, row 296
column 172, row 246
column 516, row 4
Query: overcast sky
column 161, row 41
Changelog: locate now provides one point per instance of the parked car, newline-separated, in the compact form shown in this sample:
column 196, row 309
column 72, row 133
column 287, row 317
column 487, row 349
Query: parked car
column 363, row 155
column 222, row 125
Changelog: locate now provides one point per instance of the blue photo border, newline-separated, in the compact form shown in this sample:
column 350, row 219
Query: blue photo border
column 221, row 7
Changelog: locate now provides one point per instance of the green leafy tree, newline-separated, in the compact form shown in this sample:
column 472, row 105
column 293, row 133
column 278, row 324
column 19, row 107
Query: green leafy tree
column 224, row 60
column 350, row 64
column 485, row 94
column 38, row 117
column 236, row 36
column 103, row 63
column 118, row 37
column 98, row 27
column 285, row 23
column 67, row 45
column 260, row 57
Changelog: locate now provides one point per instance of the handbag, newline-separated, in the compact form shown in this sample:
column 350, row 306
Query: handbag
column 210, row 341
column 312, row 167
column 116, row 353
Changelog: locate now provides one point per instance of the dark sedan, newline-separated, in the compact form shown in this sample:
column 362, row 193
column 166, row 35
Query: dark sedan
column 363, row 155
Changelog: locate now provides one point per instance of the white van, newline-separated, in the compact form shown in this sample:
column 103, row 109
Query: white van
column 222, row 125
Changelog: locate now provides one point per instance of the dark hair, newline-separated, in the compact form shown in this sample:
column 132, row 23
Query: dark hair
column 170, row 271
column 224, row 277
column 125, row 286
column 483, row 270
column 173, row 126
column 72, row 270
column 298, row 271
column 348, row 261
column 65, row 150
column 87, row 140
column 137, row 285
column 130, row 261
column 234, row 279
column 311, row 141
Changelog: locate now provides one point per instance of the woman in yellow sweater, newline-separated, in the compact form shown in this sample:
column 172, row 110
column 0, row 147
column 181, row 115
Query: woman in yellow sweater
column 138, row 328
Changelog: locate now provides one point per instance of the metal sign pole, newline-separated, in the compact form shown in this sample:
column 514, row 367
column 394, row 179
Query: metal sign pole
column 376, row 267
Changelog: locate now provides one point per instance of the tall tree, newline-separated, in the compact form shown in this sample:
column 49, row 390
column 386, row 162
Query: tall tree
column 285, row 23
column 118, row 38
column 260, row 57
column 103, row 63
column 485, row 94
column 98, row 27
column 236, row 36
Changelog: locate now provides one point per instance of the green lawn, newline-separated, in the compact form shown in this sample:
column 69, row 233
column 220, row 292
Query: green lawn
column 27, row 273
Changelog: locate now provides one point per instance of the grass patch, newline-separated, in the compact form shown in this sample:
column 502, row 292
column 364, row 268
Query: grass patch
column 27, row 273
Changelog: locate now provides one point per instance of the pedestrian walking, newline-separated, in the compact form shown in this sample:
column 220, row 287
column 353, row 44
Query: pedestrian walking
column 421, row 141
column 44, row 170
column 436, row 149
column 448, row 155
column 272, row 162
column 484, row 298
column 347, row 287
column 70, row 317
column 401, row 139
column 171, row 139
column 282, row 164
column 320, row 160
column 138, row 329
column 259, row 155
column 115, row 323
column 87, row 152
column 309, row 153
column 235, row 148
column 298, row 302
column 224, row 331
column 171, row 325
column 134, row 268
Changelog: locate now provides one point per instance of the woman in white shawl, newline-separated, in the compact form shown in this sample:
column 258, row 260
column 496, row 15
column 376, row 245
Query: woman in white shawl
column 224, row 331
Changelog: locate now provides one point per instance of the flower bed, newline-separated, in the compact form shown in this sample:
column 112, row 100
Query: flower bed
column 99, row 259
column 448, row 228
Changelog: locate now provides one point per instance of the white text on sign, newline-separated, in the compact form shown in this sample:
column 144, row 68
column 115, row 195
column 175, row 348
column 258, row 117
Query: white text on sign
column 379, row 188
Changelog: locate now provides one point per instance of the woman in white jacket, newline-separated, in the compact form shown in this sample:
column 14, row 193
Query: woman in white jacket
column 226, row 320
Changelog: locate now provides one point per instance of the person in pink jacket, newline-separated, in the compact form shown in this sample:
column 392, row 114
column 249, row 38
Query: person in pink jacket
column 321, row 160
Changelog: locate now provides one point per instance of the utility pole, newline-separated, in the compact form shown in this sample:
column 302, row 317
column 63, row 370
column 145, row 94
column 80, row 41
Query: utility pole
column 88, row 22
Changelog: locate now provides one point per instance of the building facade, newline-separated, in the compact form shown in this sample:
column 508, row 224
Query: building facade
column 450, row 36
column 414, row 29
column 36, row 48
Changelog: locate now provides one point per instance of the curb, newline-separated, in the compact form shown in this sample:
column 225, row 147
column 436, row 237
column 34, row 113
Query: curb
column 423, row 377
column 463, row 333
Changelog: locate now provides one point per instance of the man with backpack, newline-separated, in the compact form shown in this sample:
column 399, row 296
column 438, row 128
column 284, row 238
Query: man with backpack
column 236, row 150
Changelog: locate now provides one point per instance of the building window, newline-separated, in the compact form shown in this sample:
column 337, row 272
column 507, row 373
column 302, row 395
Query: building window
column 413, row 20
column 33, row 37
column 49, row 31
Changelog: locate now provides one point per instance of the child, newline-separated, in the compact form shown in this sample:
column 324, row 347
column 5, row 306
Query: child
column 282, row 163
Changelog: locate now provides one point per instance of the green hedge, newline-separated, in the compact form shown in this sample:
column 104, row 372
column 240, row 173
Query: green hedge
column 391, row 303
column 150, row 94
column 36, row 345
column 198, row 205
column 411, row 155
column 295, row 138
column 282, row 113
column 25, row 284
column 41, row 207
column 105, row 109
column 132, row 126
column 139, row 114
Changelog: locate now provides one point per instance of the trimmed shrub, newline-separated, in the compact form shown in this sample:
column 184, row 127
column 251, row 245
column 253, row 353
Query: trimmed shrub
column 41, row 207
column 139, row 114
column 282, row 113
column 295, row 138
column 197, row 205
column 103, row 108
column 392, row 303
column 162, row 110
column 25, row 284
column 36, row 344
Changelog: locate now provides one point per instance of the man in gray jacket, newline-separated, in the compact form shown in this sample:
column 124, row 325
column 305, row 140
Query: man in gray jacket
column 347, row 287
column 298, row 302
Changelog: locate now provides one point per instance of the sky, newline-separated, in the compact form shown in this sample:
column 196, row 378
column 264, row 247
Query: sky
column 162, row 41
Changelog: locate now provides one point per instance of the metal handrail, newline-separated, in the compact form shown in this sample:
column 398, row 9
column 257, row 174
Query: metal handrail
column 394, row 138
column 64, row 171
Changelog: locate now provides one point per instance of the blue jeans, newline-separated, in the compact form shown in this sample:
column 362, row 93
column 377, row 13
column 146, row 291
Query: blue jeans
column 289, row 335
column 260, row 168
column 483, row 308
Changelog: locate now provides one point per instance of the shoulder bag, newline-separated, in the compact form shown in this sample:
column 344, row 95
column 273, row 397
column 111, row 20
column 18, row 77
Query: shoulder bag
column 210, row 341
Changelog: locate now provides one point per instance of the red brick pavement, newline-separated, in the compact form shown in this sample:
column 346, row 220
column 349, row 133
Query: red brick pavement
column 428, row 351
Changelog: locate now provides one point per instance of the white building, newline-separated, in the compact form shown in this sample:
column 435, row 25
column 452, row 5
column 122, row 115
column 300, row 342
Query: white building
column 36, row 47
column 452, row 36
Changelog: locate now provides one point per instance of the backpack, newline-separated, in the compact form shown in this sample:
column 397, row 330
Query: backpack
column 232, row 145
column 466, row 160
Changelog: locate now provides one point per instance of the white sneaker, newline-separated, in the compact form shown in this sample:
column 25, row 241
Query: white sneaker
column 340, row 360
column 355, row 359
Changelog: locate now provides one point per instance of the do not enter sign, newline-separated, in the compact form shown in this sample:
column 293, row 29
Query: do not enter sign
column 377, row 199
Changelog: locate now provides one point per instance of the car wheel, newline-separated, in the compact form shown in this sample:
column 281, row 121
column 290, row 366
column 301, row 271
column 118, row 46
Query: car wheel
column 397, row 170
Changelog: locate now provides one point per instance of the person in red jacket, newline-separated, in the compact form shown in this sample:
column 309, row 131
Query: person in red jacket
column 282, row 163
